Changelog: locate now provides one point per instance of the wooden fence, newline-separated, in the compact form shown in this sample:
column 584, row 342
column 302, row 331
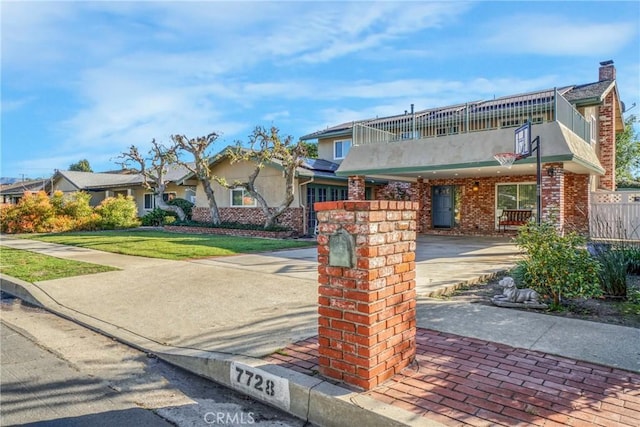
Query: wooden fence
column 615, row 216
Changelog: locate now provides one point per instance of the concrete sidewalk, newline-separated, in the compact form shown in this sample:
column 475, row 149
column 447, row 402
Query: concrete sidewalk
column 215, row 316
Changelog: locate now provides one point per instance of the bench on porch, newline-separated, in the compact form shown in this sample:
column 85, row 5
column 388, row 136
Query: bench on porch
column 513, row 217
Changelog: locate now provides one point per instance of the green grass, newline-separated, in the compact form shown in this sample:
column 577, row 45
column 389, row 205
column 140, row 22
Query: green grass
column 175, row 246
column 33, row 267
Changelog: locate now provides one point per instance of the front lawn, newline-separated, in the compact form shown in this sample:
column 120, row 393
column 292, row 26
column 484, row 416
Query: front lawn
column 175, row 246
column 33, row 267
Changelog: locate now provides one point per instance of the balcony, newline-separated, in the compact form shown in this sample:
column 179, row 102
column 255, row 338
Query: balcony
column 507, row 112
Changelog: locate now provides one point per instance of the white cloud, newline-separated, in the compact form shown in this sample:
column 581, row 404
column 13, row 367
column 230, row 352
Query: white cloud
column 554, row 35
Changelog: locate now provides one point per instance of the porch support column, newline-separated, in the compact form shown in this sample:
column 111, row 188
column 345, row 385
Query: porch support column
column 419, row 196
column 366, row 290
column 553, row 197
column 356, row 188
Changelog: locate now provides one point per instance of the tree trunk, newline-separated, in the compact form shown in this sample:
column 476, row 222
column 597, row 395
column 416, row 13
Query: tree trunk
column 161, row 204
column 213, row 206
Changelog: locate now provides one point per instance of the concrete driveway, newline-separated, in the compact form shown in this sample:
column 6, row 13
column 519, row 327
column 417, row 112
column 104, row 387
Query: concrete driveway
column 246, row 304
column 442, row 262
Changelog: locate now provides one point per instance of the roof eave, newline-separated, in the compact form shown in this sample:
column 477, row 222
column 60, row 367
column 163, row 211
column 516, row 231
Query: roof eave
column 344, row 132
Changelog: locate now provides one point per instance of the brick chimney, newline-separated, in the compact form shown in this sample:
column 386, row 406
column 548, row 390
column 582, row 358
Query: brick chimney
column 607, row 71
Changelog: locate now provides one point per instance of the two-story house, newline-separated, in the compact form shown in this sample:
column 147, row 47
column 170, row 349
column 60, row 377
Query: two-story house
column 447, row 153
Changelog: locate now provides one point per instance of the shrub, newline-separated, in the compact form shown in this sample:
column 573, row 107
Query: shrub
column 8, row 216
column 557, row 266
column 32, row 214
column 613, row 272
column 72, row 212
column 632, row 258
column 158, row 218
column 76, row 205
column 118, row 212
column 88, row 223
column 396, row 190
column 185, row 205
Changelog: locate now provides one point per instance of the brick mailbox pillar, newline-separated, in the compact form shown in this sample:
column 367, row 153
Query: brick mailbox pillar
column 367, row 297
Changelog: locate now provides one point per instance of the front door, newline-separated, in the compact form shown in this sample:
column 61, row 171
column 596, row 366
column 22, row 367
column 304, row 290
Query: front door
column 442, row 205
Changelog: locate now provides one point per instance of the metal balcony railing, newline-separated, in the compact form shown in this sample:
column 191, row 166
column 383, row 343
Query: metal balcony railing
column 539, row 107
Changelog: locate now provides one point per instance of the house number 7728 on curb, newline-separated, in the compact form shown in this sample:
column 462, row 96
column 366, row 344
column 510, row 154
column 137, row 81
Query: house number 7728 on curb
column 260, row 384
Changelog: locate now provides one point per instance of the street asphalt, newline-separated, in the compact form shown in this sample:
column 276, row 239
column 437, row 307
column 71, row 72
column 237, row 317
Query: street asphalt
column 219, row 316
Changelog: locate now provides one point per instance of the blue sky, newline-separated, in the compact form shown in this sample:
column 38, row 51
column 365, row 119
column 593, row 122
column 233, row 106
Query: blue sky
column 88, row 79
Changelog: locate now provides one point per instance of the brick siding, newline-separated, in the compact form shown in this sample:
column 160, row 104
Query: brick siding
column 577, row 203
column 607, row 141
column 230, row 232
column 553, row 199
column 291, row 218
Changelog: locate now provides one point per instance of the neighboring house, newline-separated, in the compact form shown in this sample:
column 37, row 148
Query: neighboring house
column 12, row 193
column 315, row 181
column 103, row 185
column 448, row 153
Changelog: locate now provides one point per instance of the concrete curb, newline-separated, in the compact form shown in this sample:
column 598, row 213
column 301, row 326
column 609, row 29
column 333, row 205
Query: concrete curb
column 311, row 399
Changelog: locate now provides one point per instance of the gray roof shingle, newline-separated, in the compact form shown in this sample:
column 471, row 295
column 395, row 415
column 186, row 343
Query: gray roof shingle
column 588, row 91
column 91, row 180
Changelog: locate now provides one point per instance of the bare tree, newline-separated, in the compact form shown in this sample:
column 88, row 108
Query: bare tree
column 265, row 147
column 201, row 166
column 153, row 169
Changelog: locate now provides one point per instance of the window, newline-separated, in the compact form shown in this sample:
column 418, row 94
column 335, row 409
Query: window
column 338, row 193
column 515, row 196
column 241, row 198
column 594, row 131
column 150, row 200
column 190, row 194
column 341, row 148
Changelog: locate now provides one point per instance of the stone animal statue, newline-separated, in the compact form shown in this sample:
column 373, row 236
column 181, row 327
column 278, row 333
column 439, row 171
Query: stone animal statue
column 514, row 295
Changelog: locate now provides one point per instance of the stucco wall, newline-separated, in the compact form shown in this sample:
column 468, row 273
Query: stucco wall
column 64, row 185
column 270, row 184
column 325, row 148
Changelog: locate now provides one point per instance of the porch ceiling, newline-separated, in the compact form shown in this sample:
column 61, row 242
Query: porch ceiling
column 469, row 155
